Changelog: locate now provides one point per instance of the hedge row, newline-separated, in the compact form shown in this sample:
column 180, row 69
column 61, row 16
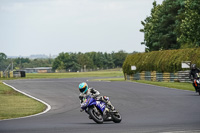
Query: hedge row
column 161, row 61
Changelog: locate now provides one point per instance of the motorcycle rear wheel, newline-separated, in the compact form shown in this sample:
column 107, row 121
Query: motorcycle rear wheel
column 95, row 115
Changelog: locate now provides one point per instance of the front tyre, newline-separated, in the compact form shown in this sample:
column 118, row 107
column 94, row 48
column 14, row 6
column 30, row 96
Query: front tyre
column 95, row 115
column 116, row 117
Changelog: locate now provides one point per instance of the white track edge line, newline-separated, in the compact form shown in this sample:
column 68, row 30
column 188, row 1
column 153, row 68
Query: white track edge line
column 47, row 109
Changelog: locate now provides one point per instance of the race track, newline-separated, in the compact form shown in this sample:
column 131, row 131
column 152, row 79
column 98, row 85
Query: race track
column 144, row 108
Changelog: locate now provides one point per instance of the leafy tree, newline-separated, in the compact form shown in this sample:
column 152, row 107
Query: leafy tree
column 21, row 62
column 38, row 63
column 3, row 61
column 119, row 58
column 109, row 61
column 85, row 60
column 190, row 26
column 59, row 62
column 72, row 63
column 92, row 60
column 3, row 56
column 160, row 27
column 66, row 61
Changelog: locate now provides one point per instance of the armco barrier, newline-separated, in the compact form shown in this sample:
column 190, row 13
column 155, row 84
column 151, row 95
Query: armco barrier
column 181, row 76
column 147, row 75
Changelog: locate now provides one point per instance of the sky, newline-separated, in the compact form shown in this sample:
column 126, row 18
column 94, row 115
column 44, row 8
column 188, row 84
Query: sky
column 50, row 27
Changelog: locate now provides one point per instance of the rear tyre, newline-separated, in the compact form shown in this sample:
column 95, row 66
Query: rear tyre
column 116, row 118
column 95, row 115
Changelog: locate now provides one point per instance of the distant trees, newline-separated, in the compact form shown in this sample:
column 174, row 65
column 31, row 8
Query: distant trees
column 68, row 61
column 20, row 63
column 37, row 63
column 173, row 24
column 3, row 61
column 89, row 60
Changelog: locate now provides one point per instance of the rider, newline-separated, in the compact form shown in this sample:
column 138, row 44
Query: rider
column 85, row 90
column 193, row 74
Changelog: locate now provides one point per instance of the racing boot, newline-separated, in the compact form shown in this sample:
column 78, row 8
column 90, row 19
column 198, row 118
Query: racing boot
column 196, row 89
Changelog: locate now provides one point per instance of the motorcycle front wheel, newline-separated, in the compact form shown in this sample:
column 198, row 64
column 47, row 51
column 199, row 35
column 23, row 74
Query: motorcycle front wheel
column 116, row 117
column 95, row 115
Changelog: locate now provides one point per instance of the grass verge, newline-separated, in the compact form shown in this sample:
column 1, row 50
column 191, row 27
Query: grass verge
column 176, row 85
column 14, row 104
column 76, row 74
column 103, row 73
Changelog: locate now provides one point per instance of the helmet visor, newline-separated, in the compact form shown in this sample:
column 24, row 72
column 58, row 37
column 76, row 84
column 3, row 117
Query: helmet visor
column 83, row 89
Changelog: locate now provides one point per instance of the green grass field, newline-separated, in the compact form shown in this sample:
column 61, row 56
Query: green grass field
column 176, row 85
column 75, row 74
column 102, row 73
column 14, row 105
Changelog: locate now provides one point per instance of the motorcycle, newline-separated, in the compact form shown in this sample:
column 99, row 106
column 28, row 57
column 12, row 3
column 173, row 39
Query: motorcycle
column 197, row 83
column 99, row 111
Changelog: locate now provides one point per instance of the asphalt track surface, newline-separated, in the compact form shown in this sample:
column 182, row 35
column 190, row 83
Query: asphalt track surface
column 144, row 108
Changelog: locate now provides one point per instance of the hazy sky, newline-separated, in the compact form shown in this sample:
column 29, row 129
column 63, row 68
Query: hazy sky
column 54, row 26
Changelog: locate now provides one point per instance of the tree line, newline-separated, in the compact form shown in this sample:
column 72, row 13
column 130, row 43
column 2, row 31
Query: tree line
column 89, row 60
column 68, row 61
column 174, row 24
column 21, row 63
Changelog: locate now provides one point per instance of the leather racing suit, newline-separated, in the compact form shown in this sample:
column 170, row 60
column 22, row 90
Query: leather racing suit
column 193, row 75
